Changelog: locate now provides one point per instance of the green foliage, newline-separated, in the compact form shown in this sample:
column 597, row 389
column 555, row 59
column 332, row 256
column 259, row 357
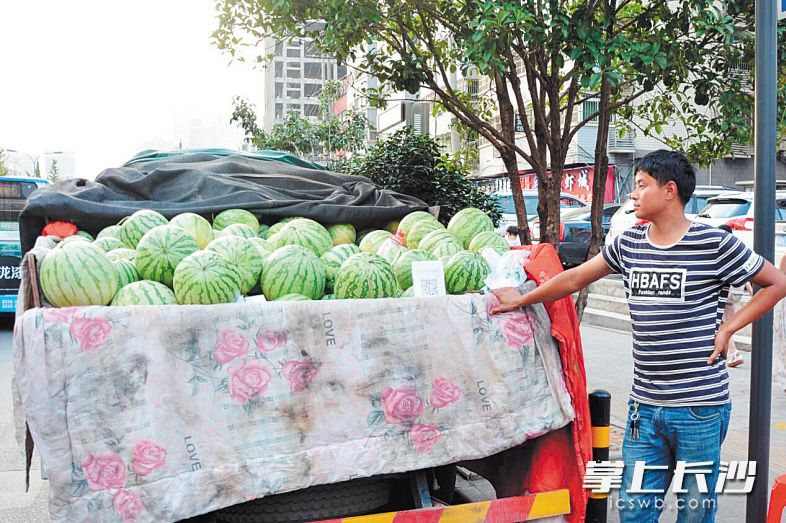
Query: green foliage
column 54, row 172
column 412, row 164
column 3, row 166
column 318, row 140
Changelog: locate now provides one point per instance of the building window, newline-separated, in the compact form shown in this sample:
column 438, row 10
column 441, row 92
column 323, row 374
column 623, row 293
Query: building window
column 311, row 50
column 279, row 48
column 589, row 107
column 293, row 72
column 293, row 94
column 279, row 69
column 312, row 70
column 311, row 110
column 279, row 89
column 293, row 53
column 311, row 90
column 294, row 107
column 342, row 71
column 279, row 111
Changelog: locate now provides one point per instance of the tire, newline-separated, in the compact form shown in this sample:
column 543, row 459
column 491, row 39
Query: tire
column 348, row 498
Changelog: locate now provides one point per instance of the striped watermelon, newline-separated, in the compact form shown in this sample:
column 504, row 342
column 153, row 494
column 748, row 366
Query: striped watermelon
column 403, row 266
column 293, row 269
column 263, row 247
column 72, row 239
column 391, row 249
column 85, row 234
column 113, row 231
column 433, row 239
column 373, row 240
column 419, row 231
column 160, row 250
column 306, row 233
column 333, row 259
column 122, row 254
column 468, row 223
column 232, row 216
column 196, row 226
column 408, row 221
column 293, row 297
column 135, row 226
column 342, row 233
column 144, row 293
column 279, row 225
column 488, row 239
column 263, row 230
column 362, row 234
column 205, row 277
column 466, row 272
column 108, row 243
column 446, row 250
column 126, row 272
column 78, row 274
column 238, row 229
column 365, row 275
column 242, row 256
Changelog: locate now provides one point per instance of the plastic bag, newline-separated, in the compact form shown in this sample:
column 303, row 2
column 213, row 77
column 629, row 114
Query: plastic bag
column 507, row 270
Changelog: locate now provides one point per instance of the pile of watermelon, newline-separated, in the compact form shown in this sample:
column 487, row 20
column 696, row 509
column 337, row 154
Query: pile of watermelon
column 149, row 260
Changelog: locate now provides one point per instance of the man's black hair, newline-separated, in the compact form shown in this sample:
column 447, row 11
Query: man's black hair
column 670, row 166
column 513, row 230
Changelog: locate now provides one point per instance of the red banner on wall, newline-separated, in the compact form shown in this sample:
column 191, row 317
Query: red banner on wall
column 576, row 181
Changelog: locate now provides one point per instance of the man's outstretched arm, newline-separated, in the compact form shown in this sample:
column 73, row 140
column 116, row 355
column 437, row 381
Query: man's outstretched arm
column 562, row 285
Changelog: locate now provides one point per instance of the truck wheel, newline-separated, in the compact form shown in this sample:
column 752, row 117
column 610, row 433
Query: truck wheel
column 348, row 498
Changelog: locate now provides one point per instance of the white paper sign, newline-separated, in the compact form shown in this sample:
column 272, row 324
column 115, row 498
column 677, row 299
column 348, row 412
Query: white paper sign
column 428, row 278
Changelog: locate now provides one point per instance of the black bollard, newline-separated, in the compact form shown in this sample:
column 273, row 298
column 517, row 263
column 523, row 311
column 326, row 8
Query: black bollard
column 600, row 414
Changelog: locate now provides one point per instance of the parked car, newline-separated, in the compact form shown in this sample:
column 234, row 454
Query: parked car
column 575, row 233
column 567, row 202
column 736, row 211
column 625, row 218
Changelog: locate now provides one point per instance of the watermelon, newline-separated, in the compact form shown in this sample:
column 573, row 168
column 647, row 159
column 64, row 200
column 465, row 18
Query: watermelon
column 293, row 269
column 238, row 229
column 72, row 239
column 403, row 266
column 263, row 230
column 433, row 239
column 466, row 271
column 488, row 239
column 468, row 223
column 392, row 227
column 133, row 227
column 391, row 249
column 408, row 221
column 144, row 293
column 342, row 233
column 365, row 275
column 279, row 225
column 123, row 253
column 409, row 293
column 126, row 272
column 362, row 234
column 113, row 231
column 108, row 243
column 306, row 233
column 196, row 226
column 78, row 274
column 242, row 256
column 85, row 234
column 233, row 216
column 445, row 250
column 419, row 231
column 333, row 259
column 329, row 297
column 373, row 240
column 293, row 297
column 263, row 247
column 205, row 277
column 160, row 250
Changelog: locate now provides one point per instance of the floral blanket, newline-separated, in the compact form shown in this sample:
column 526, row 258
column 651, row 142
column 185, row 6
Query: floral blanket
column 162, row 413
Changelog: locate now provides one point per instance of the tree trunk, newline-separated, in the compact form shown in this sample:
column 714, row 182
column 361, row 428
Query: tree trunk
column 512, row 167
column 548, row 207
column 598, row 185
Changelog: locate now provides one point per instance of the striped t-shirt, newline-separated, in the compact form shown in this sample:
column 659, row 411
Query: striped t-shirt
column 676, row 295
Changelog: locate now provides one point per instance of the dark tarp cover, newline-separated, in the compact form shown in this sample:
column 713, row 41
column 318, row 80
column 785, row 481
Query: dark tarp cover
column 207, row 183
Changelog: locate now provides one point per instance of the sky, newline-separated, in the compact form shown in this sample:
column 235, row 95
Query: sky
column 107, row 79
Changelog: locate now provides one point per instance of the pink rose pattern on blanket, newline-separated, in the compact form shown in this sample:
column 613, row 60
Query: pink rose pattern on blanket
column 247, row 375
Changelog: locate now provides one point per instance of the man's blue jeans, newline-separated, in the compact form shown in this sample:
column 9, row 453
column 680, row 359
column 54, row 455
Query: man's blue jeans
column 668, row 435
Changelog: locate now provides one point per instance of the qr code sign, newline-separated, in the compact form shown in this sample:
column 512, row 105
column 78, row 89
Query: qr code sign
column 430, row 287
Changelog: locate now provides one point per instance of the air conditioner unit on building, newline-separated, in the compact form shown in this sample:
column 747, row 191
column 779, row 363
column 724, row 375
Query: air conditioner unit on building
column 741, row 150
column 617, row 144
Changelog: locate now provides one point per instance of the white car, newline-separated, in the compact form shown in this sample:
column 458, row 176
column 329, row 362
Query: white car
column 625, row 218
column 735, row 210
column 567, row 202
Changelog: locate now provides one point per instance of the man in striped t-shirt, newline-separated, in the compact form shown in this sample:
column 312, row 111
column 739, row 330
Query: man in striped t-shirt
column 677, row 275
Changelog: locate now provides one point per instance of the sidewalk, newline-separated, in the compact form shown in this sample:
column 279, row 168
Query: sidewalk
column 609, row 364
